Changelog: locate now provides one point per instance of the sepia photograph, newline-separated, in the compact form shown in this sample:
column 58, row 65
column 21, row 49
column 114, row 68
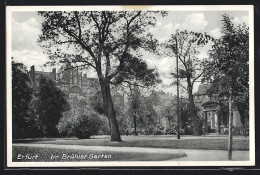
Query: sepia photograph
column 130, row 86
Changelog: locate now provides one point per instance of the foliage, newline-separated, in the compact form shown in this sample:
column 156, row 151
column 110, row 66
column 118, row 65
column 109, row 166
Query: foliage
column 118, row 97
column 22, row 91
column 70, row 120
column 87, row 125
column 141, row 111
column 164, row 105
column 96, row 102
column 48, row 104
column 150, row 117
column 134, row 105
column 185, row 113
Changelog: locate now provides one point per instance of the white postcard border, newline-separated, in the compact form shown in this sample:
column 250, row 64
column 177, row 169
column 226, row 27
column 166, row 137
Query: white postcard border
column 249, row 8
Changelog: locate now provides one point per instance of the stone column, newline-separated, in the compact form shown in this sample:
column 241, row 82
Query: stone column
column 213, row 126
column 217, row 123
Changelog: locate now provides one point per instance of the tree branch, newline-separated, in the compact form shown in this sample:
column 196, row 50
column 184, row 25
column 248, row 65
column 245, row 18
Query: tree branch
column 76, row 14
column 76, row 66
column 64, row 42
column 81, row 43
column 95, row 20
column 108, row 65
column 193, row 81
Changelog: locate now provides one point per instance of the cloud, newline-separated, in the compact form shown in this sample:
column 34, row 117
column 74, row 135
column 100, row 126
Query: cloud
column 195, row 22
column 30, row 57
column 242, row 20
column 159, row 23
column 25, row 31
column 215, row 33
column 245, row 19
column 25, row 34
column 164, row 65
column 168, row 26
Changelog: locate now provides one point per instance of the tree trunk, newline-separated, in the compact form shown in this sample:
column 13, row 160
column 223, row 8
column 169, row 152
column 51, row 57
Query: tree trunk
column 135, row 123
column 230, row 126
column 195, row 117
column 205, row 123
column 148, row 126
column 169, row 124
column 109, row 110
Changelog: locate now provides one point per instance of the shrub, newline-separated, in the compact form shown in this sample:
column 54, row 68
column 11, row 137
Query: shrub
column 187, row 130
column 82, row 123
column 241, row 131
column 169, row 131
column 87, row 125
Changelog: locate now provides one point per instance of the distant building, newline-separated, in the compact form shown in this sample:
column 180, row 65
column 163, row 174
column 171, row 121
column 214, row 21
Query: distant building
column 71, row 80
column 208, row 107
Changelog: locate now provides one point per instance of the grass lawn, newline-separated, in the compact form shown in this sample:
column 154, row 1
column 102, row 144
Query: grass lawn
column 186, row 142
column 44, row 155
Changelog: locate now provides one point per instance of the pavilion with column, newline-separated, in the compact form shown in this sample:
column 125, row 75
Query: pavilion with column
column 211, row 119
column 208, row 111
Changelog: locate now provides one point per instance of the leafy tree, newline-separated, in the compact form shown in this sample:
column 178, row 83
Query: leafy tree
column 230, row 74
column 107, row 41
column 185, row 46
column 140, row 109
column 49, row 103
column 22, row 91
column 163, row 104
column 134, row 105
column 148, row 114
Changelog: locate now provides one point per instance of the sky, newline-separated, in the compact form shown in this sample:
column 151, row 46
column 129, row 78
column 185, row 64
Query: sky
column 26, row 27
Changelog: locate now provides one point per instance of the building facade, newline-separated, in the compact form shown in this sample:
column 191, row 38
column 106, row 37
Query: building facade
column 70, row 80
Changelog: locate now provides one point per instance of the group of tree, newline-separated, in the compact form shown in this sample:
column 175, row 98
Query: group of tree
column 37, row 106
column 111, row 43
column 153, row 112
column 140, row 111
column 22, row 94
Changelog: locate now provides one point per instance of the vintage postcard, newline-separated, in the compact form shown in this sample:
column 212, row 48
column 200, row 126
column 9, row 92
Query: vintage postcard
column 95, row 86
